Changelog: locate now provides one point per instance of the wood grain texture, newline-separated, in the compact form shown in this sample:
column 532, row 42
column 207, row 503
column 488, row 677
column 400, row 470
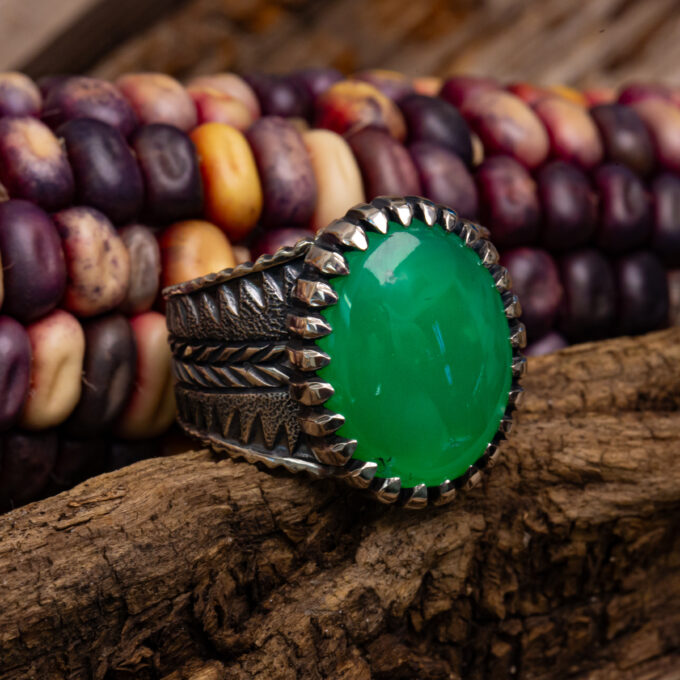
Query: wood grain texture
column 575, row 42
column 565, row 563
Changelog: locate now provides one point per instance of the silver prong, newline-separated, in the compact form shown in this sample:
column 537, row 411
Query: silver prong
column 444, row 493
column 469, row 232
column 320, row 423
column 519, row 365
column 400, row 209
column 501, row 277
column 360, row 474
column 518, row 334
column 448, row 218
column 416, row 498
column 373, row 217
column 424, row 209
column 387, row 490
column 346, row 234
column 511, row 305
column 311, row 392
column 307, row 358
column 315, row 293
column 487, row 252
column 505, row 426
column 516, row 395
column 491, row 455
column 474, row 477
column 335, row 453
column 326, row 261
column 308, row 327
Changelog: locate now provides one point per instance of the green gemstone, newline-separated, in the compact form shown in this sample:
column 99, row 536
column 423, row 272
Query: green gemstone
column 420, row 354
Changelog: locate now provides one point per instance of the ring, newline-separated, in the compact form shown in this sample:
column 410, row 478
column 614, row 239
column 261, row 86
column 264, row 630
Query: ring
column 385, row 352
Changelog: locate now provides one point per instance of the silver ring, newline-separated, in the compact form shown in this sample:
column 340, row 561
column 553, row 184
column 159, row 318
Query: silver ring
column 250, row 369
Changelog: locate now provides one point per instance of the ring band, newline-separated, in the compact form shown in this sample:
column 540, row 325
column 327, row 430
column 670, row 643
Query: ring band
column 420, row 348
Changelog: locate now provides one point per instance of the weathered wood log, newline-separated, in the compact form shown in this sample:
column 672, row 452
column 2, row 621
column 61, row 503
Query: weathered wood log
column 564, row 563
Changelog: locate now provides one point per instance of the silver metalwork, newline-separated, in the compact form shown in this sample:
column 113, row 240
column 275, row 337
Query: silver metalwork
column 246, row 359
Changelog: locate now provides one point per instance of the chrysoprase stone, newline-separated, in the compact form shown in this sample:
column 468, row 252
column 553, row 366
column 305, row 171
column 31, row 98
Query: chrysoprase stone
column 420, row 354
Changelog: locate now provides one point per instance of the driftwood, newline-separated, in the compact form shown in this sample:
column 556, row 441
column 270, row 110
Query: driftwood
column 564, row 563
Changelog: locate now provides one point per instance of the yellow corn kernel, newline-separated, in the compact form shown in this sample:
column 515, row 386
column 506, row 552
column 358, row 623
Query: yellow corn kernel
column 233, row 193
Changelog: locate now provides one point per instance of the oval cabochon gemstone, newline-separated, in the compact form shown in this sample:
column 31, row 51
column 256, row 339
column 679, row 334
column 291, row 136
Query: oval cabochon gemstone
column 420, row 354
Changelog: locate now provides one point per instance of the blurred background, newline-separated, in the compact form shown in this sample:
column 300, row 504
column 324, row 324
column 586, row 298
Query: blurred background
column 574, row 42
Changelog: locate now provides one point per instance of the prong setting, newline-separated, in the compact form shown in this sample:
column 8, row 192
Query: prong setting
column 315, row 293
column 325, row 260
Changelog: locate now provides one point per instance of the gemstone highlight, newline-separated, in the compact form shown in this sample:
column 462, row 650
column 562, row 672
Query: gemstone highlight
column 420, row 354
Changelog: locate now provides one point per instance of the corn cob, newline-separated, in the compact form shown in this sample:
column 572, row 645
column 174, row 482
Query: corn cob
column 114, row 190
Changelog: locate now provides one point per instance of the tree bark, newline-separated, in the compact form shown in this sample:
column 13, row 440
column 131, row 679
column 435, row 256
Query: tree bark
column 564, row 563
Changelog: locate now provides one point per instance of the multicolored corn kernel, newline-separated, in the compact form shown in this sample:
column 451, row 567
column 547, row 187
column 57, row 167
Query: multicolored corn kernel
column 665, row 190
column 638, row 91
column 191, row 249
column 158, row 98
column 625, row 211
column 285, row 171
column 642, row 293
column 168, row 162
column 444, row 178
column 213, row 106
column 27, row 460
column 457, row 89
column 33, row 164
column 506, row 125
column 315, row 81
column 15, row 367
column 351, row 105
column 231, row 183
column 528, row 92
column 57, row 348
column 145, row 268
column 508, row 202
column 106, row 173
column 570, row 94
column 589, row 304
column 19, row 95
column 392, row 84
column 280, row 96
column 625, row 137
column 271, row 240
column 430, row 119
column 568, row 205
column 107, row 377
column 82, row 97
column 97, row 261
column 151, row 409
column 429, row 85
column 34, row 268
column 242, row 253
column 386, row 165
column 662, row 119
column 231, row 85
column 549, row 343
column 574, row 137
column 595, row 96
column 338, row 178
column 536, row 281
